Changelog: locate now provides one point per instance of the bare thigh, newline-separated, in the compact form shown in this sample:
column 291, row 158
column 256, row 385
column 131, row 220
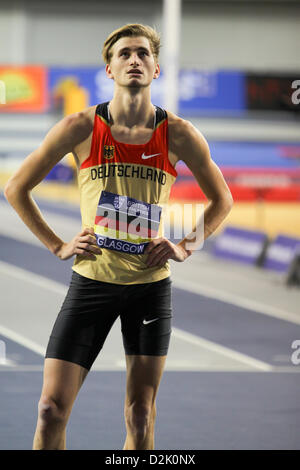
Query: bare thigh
column 143, row 378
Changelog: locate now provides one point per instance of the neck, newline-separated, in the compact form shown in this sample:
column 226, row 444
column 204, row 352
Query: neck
column 132, row 108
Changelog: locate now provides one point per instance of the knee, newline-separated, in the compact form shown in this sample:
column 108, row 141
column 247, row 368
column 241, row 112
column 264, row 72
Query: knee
column 51, row 412
column 139, row 417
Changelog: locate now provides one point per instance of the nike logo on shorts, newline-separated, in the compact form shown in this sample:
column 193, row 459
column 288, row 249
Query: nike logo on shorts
column 144, row 157
column 145, row 322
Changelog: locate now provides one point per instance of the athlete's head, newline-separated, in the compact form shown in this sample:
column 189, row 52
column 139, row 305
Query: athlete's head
column 129, row 31
column 131, row 55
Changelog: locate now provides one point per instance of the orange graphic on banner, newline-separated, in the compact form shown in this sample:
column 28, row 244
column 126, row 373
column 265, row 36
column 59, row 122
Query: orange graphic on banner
column 25, row 89
column 75, row 98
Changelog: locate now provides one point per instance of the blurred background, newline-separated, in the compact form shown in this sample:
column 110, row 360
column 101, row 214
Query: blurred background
column 232, row 68
column 236, row 74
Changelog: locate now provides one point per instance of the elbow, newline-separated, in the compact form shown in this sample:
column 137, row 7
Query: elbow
column 229, row 201
column 11, row 190
column 8, row 190
column 226, row 202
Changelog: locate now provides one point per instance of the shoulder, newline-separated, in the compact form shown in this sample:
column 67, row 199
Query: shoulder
column 184, row 137
column 81, row 122
column 72, row 129
column 176, row 124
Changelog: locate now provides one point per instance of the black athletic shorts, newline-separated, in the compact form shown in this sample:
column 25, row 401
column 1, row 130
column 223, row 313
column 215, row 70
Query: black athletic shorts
column 91, row 308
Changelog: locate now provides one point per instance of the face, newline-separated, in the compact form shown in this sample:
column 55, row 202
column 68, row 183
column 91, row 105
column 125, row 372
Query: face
column 132, row 63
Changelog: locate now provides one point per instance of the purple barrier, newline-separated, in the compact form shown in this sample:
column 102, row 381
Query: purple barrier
column 246, row 246
column 281, row 253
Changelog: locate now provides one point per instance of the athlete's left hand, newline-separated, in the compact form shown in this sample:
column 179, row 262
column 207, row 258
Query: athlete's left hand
column 161, row 249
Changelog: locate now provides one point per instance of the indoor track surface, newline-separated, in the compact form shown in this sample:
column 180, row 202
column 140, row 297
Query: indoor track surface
column 229, row 383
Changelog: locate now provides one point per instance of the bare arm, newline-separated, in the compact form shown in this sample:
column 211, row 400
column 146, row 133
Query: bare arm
column 59, row 141
column 190, row 146
column 193, row 149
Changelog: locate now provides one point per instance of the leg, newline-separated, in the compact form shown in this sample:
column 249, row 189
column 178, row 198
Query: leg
column 146, row 330
column 76, row 339
column 62, row 381
column 143, row 377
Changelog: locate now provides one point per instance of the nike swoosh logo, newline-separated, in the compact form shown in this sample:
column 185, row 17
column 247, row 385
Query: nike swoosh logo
column 145, row 322
column 144, row 157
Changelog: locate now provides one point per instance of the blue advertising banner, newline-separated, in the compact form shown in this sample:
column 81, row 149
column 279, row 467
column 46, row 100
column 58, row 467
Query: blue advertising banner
column 198, row 90
column 241, row 245
column 281, row 253
column 211, row 91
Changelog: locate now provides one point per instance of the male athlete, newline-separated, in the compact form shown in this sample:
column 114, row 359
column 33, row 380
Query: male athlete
column 126, row 151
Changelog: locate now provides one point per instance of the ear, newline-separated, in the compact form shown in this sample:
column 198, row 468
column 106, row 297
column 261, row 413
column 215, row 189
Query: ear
column 156, row 71
column 108, row 71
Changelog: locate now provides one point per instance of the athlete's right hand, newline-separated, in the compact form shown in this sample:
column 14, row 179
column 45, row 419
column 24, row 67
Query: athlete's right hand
column 83, row 244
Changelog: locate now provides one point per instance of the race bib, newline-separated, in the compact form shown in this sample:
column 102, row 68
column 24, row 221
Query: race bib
column 125, row 224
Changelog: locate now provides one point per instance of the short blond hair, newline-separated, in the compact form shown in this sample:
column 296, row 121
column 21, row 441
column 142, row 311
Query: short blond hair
column 131, row 30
